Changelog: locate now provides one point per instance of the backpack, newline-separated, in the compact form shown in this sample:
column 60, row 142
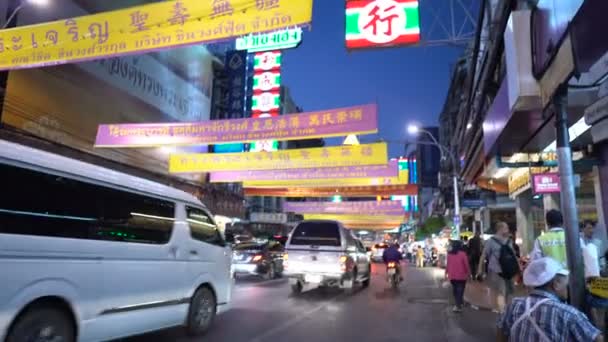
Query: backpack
column 507, row 260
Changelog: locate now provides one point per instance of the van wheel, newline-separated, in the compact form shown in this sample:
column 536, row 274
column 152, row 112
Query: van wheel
column 42, row 324
column 296, row 288
column 367, row 281
column 202, row 312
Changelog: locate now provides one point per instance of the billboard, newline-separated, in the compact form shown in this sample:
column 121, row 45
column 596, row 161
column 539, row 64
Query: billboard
column 337, row 173
column 352, row 207
column 266, row 99
column 142, row 29
column 327, row 123
column 371, row 154
column 355, row 191
column 381, row 23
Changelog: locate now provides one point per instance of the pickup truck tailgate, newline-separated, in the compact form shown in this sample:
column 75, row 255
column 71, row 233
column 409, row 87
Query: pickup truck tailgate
column 302, row 261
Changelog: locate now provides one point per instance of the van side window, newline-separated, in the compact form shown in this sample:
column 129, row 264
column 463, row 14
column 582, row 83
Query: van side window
column 36, row 203
column 202, row 227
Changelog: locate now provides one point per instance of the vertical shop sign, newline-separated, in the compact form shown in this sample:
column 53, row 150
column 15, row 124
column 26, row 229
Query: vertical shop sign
column 236, row 71
column 266, row 99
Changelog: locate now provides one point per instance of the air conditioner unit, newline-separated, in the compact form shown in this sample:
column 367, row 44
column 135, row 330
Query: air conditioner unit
column 524, row 90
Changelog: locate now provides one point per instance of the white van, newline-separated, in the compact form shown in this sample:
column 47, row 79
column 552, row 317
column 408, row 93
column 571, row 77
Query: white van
column 91, row 254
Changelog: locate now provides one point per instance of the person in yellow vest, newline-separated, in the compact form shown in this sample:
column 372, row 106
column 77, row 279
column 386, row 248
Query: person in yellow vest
column 553, row 242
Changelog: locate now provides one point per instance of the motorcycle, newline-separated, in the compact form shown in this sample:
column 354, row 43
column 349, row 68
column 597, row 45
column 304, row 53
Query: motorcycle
column 393, row 275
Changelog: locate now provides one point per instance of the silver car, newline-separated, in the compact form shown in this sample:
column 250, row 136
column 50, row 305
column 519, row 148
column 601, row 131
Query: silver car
column 324, row 253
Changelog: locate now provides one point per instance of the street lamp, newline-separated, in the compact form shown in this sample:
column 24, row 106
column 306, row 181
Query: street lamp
column 23, row 3
column 414, row 129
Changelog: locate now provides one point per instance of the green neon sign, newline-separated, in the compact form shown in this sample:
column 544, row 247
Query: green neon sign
column 284, row 39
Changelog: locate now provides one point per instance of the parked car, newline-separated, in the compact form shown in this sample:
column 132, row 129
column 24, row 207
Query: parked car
column 264, row 259
column 91, row 254
column 378, row 251
column 324, row 253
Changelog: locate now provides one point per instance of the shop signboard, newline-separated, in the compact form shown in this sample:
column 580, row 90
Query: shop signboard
column 266, row 99
column 370, row 154
column 278, row 218
column 324, row 182
column 394, row 220
column 331, row 173
column 327, row 123
column 352, row 207
column 473, row 203
column 381, row 23
column 143, row 29
column 546, row 183
column 354, row 191
column 278, row 40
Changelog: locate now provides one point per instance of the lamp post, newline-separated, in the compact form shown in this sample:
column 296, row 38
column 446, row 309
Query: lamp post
column 414, row 130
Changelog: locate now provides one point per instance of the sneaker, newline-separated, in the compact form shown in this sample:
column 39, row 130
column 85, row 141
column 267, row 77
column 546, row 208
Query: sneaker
column 456, row 309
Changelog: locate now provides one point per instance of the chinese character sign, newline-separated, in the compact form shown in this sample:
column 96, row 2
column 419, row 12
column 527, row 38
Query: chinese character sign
column 236, row 69
column 352, row 207
column 344, row 121
column 380, row 23
column 143, row 29
column 285, row 159
column 337, row 173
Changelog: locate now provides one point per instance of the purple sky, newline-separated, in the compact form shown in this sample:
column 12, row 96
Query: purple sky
column 409, row 84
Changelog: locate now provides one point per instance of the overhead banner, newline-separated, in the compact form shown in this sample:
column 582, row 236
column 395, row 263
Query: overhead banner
column 144, row 29
column 371, row 154
column 324, row 182
column 335, row 173
column 353, row 207
column 381, row 23
column 352, row 220
column 355, row 191
column 327, row 123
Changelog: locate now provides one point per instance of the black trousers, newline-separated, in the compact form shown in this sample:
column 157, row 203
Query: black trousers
column 458, row 287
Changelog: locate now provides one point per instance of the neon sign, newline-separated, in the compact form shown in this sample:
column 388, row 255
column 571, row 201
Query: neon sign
column 279, row 40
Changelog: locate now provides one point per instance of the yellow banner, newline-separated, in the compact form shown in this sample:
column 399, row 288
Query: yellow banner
column 363, row 219
column 145, row 28
column 337, row 182
column 356, row 155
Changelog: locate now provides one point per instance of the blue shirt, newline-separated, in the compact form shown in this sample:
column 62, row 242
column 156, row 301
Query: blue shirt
column 391, row 254
column 559, row 321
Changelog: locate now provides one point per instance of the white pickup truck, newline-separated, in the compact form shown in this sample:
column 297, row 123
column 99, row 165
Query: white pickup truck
column 324, row 253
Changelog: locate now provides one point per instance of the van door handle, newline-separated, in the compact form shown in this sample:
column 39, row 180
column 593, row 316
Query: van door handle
column 193, row 252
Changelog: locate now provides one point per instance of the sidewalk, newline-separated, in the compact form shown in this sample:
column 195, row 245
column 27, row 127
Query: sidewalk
column 478, row 294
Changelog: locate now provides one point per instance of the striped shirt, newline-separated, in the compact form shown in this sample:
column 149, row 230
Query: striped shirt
column 558, row 321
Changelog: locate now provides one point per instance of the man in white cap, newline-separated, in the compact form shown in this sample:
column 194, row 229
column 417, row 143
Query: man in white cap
column 542, row 315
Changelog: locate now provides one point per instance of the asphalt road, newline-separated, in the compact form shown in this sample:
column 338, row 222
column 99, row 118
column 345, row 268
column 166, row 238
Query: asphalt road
column 418, row 311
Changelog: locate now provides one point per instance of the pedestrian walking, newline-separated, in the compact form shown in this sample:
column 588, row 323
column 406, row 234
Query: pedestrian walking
column 587, row 232
column 457, row 271
column 420, row 257
column 542, row 315
column 474, row 250
column 502, row 265
column 553, row 242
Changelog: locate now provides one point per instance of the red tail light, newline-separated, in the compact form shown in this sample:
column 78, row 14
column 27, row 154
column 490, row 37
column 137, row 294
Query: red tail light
column 343, row 260
column 256, row 258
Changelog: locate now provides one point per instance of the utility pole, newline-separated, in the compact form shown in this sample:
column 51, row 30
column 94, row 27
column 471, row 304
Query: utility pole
column 568, row 199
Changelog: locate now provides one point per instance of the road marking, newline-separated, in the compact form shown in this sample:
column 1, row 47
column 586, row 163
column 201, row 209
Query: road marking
column 294, row 320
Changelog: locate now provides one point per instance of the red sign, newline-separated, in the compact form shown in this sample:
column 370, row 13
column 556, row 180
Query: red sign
column 381, row 23
column 546, row 183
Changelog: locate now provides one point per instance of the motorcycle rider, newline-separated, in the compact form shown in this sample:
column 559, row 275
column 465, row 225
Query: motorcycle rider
column 392, row 254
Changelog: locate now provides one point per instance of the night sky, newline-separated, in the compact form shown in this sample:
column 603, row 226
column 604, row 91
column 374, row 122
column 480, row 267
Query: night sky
column 409, row 83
